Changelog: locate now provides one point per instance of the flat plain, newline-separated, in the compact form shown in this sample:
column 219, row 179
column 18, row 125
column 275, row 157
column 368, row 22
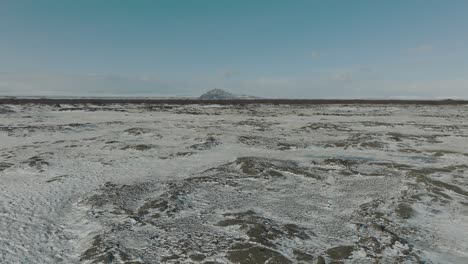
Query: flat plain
column 233, row 183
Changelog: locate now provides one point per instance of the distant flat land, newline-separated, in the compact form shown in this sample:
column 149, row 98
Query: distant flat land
column 101, row 101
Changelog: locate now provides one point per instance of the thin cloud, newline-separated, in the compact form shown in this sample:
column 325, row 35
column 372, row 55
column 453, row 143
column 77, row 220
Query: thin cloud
column 315, row 54
column 420, row 50
column 229, row 73
column 46, row 84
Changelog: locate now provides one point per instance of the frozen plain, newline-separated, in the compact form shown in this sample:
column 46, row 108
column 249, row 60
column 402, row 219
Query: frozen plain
column 233, row 184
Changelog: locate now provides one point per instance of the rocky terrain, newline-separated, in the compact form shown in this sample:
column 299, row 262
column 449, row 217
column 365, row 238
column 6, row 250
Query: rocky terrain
column 256, row 183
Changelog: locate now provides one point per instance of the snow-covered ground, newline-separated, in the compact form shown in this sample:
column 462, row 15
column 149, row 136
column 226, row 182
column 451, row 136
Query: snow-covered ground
column 233, row 184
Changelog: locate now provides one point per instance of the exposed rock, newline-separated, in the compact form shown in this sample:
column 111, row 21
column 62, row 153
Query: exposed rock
column 340, row 252
column 140, row 147
column 5, row 165
column 405, row 211
column 256, row 255
column 218, row 94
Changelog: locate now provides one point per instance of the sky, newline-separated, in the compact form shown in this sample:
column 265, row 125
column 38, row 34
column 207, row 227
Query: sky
column 268, row 48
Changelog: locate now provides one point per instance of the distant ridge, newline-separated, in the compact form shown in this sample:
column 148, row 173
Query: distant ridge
column 218, row 94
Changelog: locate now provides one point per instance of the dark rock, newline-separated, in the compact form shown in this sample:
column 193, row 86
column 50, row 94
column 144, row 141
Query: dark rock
column 320, row 260
column 301, row 256
column 197, row 257
column 5, row 165
column 340, row 252
column 256, row 255
column 404, row 211
column 140, row 147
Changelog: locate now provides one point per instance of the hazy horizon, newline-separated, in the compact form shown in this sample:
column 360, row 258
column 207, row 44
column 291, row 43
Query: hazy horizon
column 272, row 49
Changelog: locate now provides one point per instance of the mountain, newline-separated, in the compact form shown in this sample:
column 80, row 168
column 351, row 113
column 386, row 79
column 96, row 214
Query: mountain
column 218, row 94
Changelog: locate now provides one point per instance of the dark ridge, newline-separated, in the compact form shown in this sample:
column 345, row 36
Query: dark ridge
column 101, row 101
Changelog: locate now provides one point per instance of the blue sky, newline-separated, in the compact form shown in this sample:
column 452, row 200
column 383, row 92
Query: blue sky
column 297, row 49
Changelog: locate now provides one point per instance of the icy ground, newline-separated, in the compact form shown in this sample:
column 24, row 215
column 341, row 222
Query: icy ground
column 233, row 184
